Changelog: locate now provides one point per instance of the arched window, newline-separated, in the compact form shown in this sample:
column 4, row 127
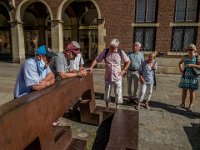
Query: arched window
column 81, row 26
column 5, row 45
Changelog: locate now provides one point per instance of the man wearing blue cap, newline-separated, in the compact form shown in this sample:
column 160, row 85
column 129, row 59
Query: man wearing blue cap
column 35, row 74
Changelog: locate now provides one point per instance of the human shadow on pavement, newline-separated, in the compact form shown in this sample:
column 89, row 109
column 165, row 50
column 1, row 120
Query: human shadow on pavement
column 193, row 135
column 73, row 114
column 175, row 109
column 99, row 96
column 102, row 135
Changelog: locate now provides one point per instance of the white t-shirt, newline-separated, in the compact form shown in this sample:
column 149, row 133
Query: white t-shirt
column 77, row 62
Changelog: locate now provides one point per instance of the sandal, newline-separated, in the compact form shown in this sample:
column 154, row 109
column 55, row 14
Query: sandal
column 182, row 106
column 137, row 107
column 189, row 109
column 147, row 106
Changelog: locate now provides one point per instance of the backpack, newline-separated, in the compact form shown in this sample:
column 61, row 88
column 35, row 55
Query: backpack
column 118, row 51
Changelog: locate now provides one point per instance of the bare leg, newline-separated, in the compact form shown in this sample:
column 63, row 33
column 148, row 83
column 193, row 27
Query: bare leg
column 184, row 94
column 192, row 96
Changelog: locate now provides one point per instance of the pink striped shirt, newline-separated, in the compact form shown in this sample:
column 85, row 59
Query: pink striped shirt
column 113, row 64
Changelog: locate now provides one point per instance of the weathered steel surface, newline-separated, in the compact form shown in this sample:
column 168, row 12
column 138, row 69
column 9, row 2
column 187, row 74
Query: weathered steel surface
column 27, row 121
column 124, row 130
column 92, row 114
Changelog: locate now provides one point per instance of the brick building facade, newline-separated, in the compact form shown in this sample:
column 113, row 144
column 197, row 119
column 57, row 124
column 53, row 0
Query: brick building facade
column 95, row 22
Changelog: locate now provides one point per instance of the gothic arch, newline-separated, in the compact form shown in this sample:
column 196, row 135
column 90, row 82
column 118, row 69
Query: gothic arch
column 23, row 5
column 65, row 4
column 6, row 7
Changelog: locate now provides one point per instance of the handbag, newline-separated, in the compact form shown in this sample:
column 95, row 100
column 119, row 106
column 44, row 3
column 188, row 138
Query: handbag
column 154, row 78
column 195, row 69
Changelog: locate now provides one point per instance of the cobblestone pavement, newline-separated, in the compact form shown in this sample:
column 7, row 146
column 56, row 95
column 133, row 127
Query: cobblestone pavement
column 164, row 126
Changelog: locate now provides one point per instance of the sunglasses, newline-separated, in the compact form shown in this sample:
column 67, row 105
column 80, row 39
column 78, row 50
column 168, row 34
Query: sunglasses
column 112, row 47
column 190, row 49
column 49, row 59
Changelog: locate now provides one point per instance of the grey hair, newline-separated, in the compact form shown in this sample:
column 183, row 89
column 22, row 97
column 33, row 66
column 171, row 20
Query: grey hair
column 76, row 44
column 153, row 54
column 192, row 46
column 114, row 43
column 137, row 43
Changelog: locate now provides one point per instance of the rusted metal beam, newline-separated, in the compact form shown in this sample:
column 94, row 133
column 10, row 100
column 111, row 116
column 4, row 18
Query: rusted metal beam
column 124, row 130
column 27, row 121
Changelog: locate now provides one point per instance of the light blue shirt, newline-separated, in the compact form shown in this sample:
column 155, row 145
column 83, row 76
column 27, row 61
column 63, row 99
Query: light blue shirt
column 27, row 77
column 147, row 72
column 136, row 60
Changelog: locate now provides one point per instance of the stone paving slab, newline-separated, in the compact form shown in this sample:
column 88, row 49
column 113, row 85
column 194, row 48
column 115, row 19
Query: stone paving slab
column 164, row 126
column 145, row 145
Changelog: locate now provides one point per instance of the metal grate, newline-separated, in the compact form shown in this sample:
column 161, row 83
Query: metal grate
column 146, row 36
column 182, row 37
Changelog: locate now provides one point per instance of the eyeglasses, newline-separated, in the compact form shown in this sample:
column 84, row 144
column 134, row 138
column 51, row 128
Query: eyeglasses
column 190, row 49
column 112, row 47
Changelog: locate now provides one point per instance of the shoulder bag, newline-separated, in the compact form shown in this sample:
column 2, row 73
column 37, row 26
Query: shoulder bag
column 195, row 69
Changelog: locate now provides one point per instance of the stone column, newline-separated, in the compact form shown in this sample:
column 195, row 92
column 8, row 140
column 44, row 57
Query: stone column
column 74, row 30
column 41, row 32
column 18, row 48
column 57, row 35
column 101, row 35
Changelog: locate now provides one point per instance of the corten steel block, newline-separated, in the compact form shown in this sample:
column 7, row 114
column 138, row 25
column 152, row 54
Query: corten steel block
column 76, row 145
column 92, row 114
column 29, row 118
column 87, row 115
column 124, row 130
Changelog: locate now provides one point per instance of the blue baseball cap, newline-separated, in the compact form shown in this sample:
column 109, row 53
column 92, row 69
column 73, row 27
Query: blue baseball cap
column 44, row 50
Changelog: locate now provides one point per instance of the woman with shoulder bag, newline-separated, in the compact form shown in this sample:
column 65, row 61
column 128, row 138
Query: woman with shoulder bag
column 189, row 80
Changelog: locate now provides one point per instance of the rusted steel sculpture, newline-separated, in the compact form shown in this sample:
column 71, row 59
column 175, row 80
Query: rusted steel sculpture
column 26, row 123
column 124, row 131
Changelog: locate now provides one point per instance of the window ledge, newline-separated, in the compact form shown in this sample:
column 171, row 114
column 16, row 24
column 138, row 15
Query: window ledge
column 172, row 24
column 176, row 53
column 145, row 24
column 165, row 55
column 148, row 52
